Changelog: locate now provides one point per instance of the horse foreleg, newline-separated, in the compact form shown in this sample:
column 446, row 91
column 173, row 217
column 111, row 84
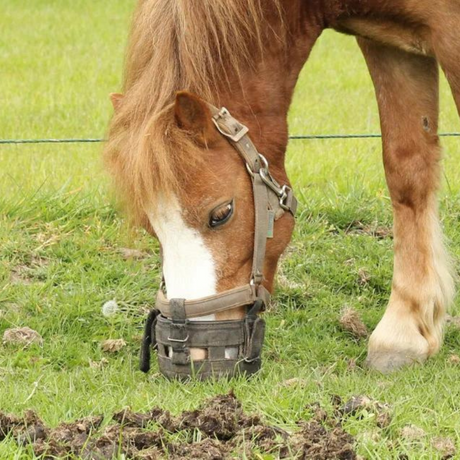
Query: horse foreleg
column 407, row 92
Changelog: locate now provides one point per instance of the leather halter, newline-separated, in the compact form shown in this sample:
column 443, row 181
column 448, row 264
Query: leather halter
column 271, row 200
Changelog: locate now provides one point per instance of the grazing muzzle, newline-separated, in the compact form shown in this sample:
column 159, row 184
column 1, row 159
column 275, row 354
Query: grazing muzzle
column 168, row 328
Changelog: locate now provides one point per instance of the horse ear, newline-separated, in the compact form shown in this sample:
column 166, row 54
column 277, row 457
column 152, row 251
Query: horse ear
column 116, row 99
column 193, row 115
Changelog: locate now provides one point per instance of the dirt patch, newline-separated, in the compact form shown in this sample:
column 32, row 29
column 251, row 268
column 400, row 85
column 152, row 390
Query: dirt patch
column 359, row 405
column 223, row 426
column 29, row 272
column 21, row 275
column 445, row 447
column 453, row 321
column 113, row 345
column 377, row 231
column 351, row 322
column 316, row 442
column 136, row 254
column 294, row 382
column 22, row 336
column 412, row 433
column 363, row 277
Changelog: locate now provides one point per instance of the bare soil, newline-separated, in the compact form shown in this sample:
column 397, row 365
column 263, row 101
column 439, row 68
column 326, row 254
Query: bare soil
column 224, row 428
column 352, row 322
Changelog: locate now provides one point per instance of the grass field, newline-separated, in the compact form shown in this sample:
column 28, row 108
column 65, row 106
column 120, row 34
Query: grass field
column 61, row 240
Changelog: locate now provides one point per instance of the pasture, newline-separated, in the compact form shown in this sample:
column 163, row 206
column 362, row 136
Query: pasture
column 63, row 247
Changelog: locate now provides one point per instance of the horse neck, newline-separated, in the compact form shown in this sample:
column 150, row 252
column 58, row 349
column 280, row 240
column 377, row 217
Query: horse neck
column 260, row 97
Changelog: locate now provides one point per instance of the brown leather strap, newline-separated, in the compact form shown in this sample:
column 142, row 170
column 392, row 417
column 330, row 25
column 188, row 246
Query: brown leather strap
column 234, row 298
column 261, row 212
column 177, row 307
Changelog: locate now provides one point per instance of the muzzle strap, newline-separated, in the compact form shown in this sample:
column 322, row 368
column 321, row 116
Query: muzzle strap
column 261, row 200
column 255, row 333
column 228, row 300
column 178, row 332
column 148, row 341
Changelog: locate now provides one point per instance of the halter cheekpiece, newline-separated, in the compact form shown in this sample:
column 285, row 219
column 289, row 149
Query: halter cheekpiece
column 168, row 327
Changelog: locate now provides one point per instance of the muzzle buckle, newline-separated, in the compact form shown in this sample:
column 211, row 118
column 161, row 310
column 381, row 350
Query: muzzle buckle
column 179, row 340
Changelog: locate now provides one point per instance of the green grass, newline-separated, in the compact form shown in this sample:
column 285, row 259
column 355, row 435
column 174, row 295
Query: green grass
column 60, row 240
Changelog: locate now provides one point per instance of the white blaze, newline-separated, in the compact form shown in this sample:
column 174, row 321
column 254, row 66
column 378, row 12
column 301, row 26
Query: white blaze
column 188, row 265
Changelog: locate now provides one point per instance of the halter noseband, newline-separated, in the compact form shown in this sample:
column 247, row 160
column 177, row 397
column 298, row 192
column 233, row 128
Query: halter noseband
column 168, row 328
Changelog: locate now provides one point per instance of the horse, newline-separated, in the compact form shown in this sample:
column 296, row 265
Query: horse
column 185, row 183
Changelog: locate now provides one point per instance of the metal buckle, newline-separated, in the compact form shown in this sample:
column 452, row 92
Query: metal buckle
column 236, row 136
column 250, row 171
column 264, row 168
column 179, row 340
column 268, row 179
column 285, row 195
column 281, row 191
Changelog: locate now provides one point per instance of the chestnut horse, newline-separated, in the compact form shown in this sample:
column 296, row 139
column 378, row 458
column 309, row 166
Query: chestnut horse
column 185, row 183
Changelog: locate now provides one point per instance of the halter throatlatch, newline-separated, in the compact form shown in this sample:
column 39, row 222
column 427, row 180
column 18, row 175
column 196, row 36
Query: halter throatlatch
column 234, row 346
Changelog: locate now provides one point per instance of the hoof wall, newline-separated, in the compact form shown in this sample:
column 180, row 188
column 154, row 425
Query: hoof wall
column 387, row 362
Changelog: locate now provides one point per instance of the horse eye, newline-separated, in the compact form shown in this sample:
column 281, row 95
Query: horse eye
column 221, row 215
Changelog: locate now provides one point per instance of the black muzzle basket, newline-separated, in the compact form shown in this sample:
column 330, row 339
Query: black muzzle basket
column 173, row 338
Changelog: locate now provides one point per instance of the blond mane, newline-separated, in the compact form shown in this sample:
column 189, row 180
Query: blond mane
column 193, row 45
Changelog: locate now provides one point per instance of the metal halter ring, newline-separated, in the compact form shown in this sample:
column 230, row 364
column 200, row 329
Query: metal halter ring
column 281, row 191
column 284, row 196
column 264, row 167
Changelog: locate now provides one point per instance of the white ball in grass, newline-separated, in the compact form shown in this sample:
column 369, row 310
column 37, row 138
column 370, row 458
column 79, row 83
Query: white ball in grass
column 110, row 308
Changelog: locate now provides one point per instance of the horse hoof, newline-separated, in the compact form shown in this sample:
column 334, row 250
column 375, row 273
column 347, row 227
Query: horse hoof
column 387, row 362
